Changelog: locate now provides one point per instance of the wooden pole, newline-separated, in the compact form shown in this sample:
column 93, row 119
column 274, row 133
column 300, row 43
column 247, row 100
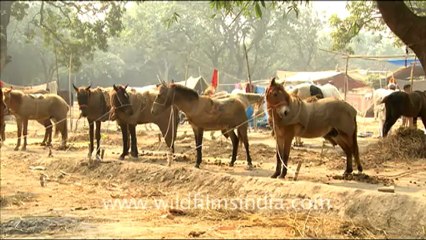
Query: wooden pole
column 346, row 74
column 57, row 69
column 412, row 73
column 247, row 63
column 69, row 90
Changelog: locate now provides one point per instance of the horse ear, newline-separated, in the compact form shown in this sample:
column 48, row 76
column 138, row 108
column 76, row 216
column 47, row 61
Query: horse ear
column 273, row 81
column 89, row 87
column 125, row 87
column 173, row 81
column 75, row 88
column 115, row 87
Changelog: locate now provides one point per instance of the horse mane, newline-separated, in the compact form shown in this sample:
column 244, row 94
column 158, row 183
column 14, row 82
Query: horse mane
column 186, row 91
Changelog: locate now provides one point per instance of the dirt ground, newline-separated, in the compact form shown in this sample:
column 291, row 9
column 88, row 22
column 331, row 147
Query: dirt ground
column 77, row 195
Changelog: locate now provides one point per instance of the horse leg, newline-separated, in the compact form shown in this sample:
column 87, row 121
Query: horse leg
column 25, row 129
column 284, row 155
column 98, row 139
column 235, row 144
column 342, row 141
column 91, row 130
column 277, row 167
column 49, row 131
column 389, row 122
column 198, row 133
column 415, row 122
column 43, row 143
column 134, row 145
column 125, row 137
column 19, row 126
column 242, row 131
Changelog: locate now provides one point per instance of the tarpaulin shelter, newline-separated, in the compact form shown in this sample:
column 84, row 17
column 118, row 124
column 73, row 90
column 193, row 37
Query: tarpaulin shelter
column 322, row 77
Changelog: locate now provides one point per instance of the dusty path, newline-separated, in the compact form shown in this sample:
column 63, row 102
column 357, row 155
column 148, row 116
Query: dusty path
column 72, row 204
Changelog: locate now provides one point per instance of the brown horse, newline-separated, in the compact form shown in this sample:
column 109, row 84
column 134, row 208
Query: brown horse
column 404, row 104
column 95, row 105
column 208, row 114
column 132, row 108
column 41, row 108
column 332, row 119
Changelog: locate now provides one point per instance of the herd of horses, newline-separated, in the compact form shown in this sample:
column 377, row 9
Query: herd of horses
column 306, row 111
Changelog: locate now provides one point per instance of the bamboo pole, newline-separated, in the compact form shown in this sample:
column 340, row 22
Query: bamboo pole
column 247, row 63
column 346, row 76
column 69, row 91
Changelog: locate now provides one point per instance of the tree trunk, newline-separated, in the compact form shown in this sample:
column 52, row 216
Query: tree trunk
column 410, row 28
column 5, row 7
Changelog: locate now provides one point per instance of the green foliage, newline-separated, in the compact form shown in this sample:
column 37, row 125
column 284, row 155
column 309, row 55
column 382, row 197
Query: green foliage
column 68, row 27
column 364, row 16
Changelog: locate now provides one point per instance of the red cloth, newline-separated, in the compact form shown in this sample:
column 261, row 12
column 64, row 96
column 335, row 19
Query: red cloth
column 215, row 80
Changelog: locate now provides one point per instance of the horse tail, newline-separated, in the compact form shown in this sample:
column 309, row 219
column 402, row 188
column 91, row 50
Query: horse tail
column 355, row 142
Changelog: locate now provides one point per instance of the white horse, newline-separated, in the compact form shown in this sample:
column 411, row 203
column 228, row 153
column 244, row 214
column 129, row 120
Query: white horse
column 379, row 107
column 303, row 90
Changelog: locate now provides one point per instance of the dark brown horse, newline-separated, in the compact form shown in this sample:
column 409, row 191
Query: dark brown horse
column 131, row 108
column 206, row 114
column 95, row 105
column 332, row 119
column 399, row 104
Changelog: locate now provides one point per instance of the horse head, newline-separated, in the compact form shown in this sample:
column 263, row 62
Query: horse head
column 163, row 99
column 83, row 94
column 277, row 98
column 121, row 99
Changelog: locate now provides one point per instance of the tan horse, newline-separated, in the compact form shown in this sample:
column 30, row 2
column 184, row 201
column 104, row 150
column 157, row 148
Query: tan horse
column 95, row 105
column 131, row 108
column 41, row 108
column 4, row 111
column 206, row 114
column 332, row 119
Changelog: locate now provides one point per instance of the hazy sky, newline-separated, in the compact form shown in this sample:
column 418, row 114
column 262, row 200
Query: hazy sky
column 331, row 7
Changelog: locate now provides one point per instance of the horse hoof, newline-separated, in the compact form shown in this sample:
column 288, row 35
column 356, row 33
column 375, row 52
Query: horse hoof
column 197, row 166
column 24, row 149
column 249, row 167
column 43, row 144
column 347, row 175
column 275, row 175
column 360, row 169
column 16, row 149
column 231, row 164
column 281, row 176
column 134, row 156
column 121, row 158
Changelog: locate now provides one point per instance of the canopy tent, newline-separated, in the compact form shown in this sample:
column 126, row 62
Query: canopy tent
column 52, row 87
column 199, row 84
